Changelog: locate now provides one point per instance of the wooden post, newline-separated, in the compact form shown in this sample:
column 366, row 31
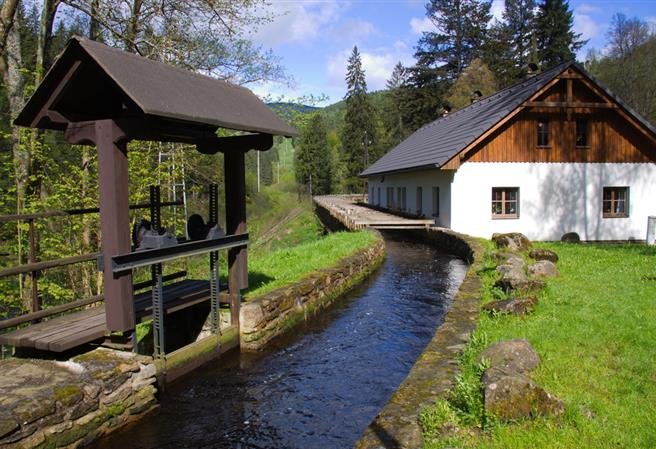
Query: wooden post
column 114, row 222
column 36, row 304
column 235, row 203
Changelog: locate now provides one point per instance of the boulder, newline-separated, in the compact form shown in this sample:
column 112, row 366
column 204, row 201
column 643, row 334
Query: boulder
column 513, row 241
column 515, row 306
column 517, row 355
column 570, row 237
column 543, row 254
column 516, row 396
column 543, row 268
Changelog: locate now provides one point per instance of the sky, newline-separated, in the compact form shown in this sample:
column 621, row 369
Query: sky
column 313, row 38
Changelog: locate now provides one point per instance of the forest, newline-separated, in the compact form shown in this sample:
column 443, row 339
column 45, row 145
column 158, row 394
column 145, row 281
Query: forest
column 467, row 52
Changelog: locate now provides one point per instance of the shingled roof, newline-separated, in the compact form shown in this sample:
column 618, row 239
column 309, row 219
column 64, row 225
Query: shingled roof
column 436, row 143
column 158, row 90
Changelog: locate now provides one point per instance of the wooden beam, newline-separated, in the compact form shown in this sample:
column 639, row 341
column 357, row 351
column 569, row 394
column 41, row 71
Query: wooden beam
column 235, row 205
column 56, row 93
column 214, row 144
column 114, row 222
column 568, row 104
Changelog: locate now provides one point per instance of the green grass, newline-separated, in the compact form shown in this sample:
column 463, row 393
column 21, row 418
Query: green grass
column 286, row 265
column 595, row 331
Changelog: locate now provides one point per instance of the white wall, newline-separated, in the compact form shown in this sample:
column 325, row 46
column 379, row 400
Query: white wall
column 555, row 198
column 410, row 180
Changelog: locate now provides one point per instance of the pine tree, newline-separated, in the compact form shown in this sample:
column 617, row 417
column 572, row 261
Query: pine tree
column 461, row 29
column 313, row 162
column 442, row 56
column 393, row 128
column 359, row 139
column 556, row 41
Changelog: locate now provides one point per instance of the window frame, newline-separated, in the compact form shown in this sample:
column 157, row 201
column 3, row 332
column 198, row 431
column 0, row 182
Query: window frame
column 504, row 215
column 543, row 132
column 435, row 201
column 613, row 190
column 584, row 132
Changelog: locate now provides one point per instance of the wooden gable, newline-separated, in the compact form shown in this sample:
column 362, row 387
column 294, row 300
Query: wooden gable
column 613, row 133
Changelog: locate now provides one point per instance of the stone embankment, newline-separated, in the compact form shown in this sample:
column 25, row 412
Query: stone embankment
column 273, row 314
column 50, row 404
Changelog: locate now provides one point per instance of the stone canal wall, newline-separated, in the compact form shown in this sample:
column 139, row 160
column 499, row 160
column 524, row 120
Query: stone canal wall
column 50, row 404
column 273, row 314
column 397, row 424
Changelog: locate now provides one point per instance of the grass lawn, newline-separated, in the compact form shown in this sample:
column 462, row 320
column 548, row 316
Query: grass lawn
column 595, row 331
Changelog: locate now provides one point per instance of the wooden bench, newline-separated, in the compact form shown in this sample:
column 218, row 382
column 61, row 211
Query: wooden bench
column 74, row 329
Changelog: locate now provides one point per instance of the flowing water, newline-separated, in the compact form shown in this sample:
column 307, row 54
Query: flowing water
column 321, row 386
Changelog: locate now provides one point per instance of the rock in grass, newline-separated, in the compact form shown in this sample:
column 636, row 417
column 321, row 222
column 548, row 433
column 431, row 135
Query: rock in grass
column 515, row 306
column 512, row 241
column 517, row 355
column 543, row 254
column 543, row 268
column 570, row 237
column 516, row 396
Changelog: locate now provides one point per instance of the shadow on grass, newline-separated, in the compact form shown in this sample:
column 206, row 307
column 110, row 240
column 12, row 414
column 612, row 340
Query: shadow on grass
column 257, row 280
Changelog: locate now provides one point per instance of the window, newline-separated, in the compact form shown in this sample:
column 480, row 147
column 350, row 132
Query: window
column 390, row 197
column 543, row 132
column 378, row 202
column 400, row 198
column 420, row 194
column 505, row 202
column 436, row 202
column 615, row 203
column 581, row 132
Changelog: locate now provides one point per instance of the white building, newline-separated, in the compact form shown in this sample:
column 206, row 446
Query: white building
column 553, row 154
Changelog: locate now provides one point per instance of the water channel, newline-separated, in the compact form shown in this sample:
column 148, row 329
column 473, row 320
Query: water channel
column 321, row 386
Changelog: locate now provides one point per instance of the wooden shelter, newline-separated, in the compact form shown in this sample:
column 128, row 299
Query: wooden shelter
column 102, row 96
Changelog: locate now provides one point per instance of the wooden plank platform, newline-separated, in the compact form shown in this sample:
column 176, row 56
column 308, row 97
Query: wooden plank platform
column 74, row 329
column 355, row 216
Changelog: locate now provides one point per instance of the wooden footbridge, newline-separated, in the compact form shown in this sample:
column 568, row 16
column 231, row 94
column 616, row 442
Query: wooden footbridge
column 105, row 97
column 353, row 213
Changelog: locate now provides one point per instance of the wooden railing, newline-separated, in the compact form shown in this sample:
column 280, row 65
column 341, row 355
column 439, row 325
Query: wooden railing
column 34, row 267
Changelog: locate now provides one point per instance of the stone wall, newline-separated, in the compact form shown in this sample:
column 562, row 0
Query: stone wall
column 51, row 404
column 274, row 313
column 433, row 374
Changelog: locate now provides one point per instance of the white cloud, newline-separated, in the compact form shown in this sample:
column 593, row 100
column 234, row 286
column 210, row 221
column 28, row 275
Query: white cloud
column 584, row 23
column 378, row 65
column 419, row 26
column 298, row 21
column 353, row 31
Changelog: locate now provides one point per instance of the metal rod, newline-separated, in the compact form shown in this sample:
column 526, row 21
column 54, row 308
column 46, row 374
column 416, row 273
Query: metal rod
column 129, row 261
column 158, row 310
column 215, row 318
column 13, row 322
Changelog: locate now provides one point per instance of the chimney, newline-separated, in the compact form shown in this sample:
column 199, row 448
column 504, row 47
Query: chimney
column 531, row 69
column 445, row 110
column 475, row 96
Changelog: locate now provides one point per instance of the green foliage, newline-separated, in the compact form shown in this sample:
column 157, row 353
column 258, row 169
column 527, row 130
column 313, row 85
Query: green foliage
column 627, row 68
column 476, row 77
column 313, row 160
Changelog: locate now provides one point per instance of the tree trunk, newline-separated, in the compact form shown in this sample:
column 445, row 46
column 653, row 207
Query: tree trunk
column 133, row 27
column 45, row 37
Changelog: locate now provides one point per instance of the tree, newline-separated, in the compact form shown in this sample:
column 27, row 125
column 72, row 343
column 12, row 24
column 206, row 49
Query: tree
column 476, row 77
column 628, row 67
column 442, row 55
column 394, row 130
column 556, row 41
column 359, row 137
column 313, row 161
column 461, row 28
